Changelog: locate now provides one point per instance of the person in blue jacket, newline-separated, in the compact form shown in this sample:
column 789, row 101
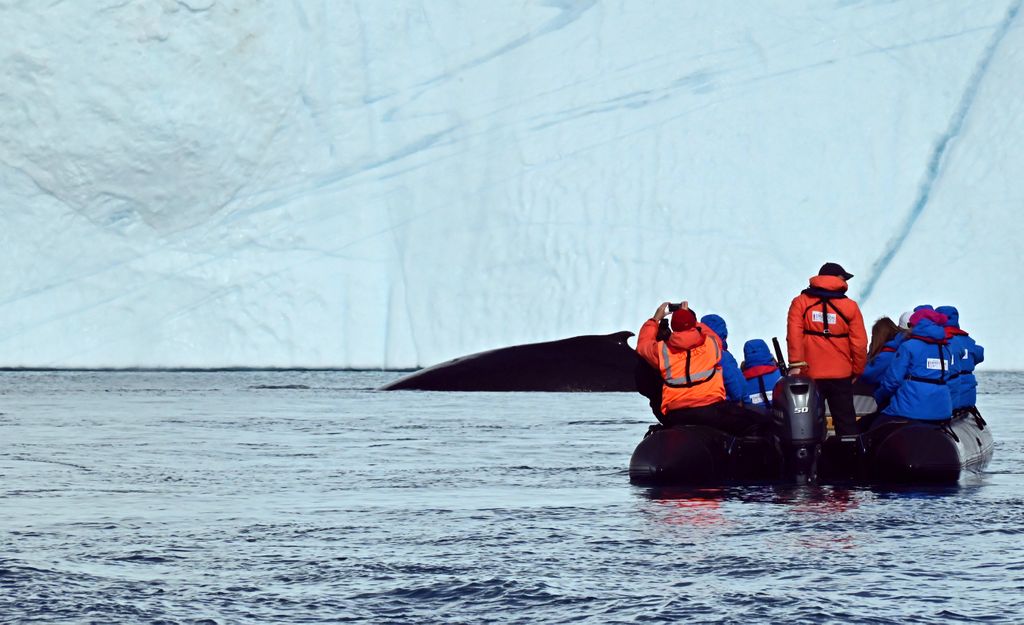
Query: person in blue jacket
column 968, row 354
column 915, row 384
column 760, row 373
column 730, row 368
column 886, row 338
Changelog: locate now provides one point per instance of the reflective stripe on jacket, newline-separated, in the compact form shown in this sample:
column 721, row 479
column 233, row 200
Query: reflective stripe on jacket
column 689, row 363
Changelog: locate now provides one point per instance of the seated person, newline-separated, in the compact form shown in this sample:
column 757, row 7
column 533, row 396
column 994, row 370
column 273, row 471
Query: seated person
column 689, row 362
column 760, row 373
column 730, row 369
column 904, row 324
column 963, row 389
column 885, row 339
column 915, row 384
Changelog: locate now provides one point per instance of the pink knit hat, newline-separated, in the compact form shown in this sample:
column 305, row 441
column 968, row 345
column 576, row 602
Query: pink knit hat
column 929, row 314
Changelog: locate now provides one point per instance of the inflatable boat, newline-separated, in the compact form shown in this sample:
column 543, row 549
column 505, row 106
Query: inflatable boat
column 908, row 451
column 797, row 448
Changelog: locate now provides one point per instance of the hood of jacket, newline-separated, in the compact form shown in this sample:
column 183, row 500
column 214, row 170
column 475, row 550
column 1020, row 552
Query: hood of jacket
column 952, row 315
column 687, row 339
column 756, row 353
column 931, row 315
column 827, row 286
column 717, row 325
column 928, row 331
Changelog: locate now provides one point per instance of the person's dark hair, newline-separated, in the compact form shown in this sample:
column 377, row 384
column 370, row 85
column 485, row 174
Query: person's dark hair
column 883, row 331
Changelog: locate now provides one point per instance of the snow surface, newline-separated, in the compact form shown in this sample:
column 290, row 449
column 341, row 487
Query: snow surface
column 392, row 184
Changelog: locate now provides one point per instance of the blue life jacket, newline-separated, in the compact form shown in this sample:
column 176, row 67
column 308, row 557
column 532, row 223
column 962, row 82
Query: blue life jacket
column 876, row 367
column 915, row 384
column 760, row 373
column 731, row 374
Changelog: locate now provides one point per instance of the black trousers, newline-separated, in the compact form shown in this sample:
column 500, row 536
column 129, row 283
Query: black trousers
column 839, row 395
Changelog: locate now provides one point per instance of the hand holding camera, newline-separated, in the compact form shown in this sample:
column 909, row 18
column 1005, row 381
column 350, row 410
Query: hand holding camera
column 667, row 307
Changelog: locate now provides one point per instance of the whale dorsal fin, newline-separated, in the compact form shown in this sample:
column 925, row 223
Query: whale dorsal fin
column 621, row 337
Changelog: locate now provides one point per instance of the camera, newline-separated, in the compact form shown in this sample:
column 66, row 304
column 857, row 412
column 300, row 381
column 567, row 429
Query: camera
column 674, row 307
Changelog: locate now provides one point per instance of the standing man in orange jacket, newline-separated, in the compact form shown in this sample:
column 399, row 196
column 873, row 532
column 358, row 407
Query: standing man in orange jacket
column 827, row 342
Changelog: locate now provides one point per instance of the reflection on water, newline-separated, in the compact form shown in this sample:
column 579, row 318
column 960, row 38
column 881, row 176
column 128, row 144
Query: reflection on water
column 689, row 507
column 705, row 506
column 800, row 497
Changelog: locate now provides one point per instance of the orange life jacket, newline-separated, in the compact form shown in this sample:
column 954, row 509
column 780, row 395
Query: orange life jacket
column 692, row 377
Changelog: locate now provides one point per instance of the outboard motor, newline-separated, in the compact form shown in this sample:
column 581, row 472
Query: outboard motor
column 800, row 421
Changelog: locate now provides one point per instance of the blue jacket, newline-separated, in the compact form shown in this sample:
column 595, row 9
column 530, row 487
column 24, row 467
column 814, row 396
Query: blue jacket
column 877, row 366
column 968, row 354
column 915, row 381
column 760, row 374
column 730, row 368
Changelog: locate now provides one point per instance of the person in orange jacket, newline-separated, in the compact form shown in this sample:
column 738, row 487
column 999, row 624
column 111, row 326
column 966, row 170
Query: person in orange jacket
column 827, row 341
column 689, row 362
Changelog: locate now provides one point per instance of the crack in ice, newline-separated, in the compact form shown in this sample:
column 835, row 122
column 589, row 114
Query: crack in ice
column 934, row 168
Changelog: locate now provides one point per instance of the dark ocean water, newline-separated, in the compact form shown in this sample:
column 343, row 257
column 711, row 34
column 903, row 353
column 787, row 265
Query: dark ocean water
column 299, row 497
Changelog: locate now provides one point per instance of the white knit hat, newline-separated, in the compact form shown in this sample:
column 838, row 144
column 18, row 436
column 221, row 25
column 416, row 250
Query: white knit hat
column 905, row 320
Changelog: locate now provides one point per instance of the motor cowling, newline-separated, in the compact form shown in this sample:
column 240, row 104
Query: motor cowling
column 800, row 423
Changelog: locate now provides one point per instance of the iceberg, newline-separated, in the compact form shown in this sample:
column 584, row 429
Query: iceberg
column 357, row 184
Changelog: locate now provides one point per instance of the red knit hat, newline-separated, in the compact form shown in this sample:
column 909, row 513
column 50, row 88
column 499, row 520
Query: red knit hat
column 683, row 319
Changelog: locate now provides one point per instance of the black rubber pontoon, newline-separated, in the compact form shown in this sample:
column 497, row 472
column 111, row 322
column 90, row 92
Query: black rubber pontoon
column 795, row 448
column 912, row 452
column 788, row 450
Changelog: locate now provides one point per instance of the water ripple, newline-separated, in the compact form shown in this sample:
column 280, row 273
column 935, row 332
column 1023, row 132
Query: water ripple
column 237, row 497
